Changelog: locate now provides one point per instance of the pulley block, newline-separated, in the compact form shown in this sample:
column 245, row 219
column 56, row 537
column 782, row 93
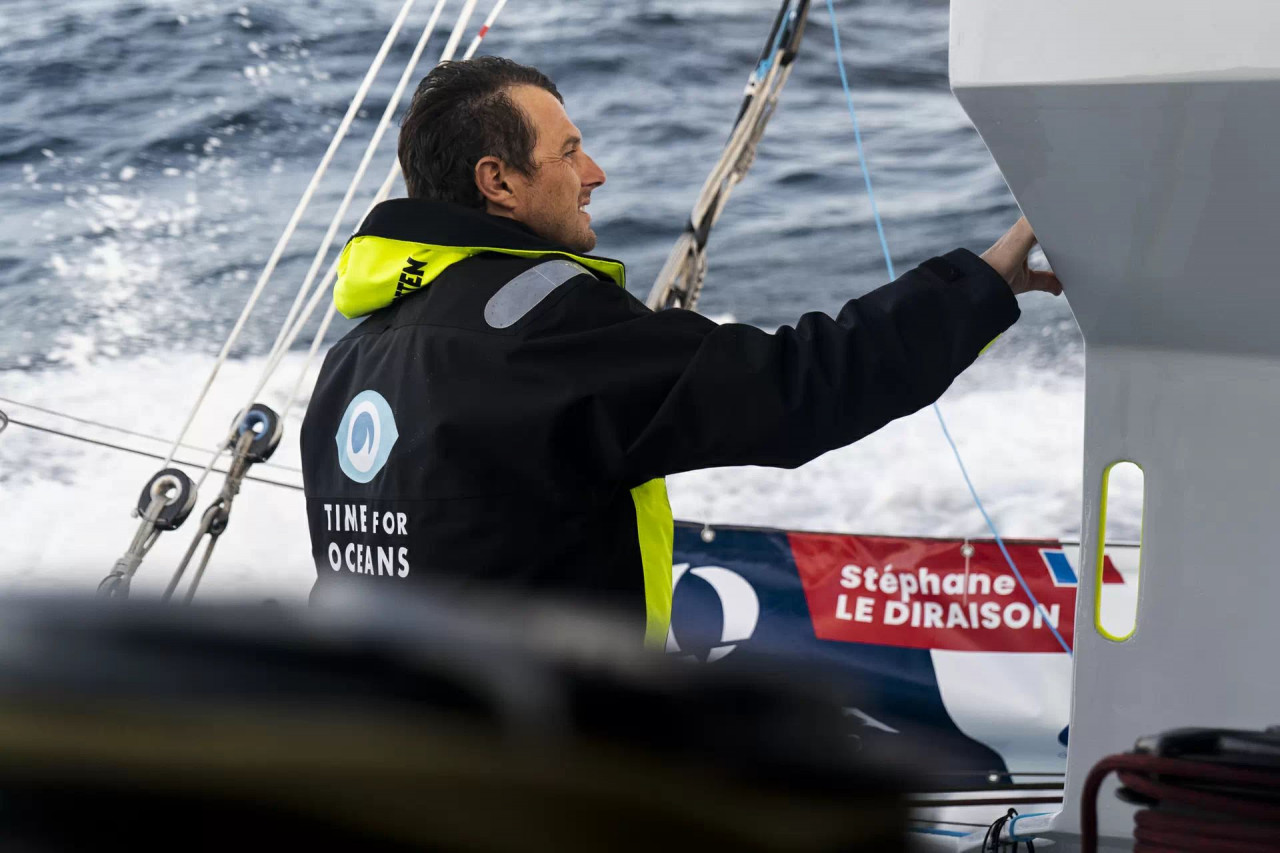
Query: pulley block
column 178, row 493
column 267, row 427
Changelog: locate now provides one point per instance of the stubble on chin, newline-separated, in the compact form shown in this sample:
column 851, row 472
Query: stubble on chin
column 580, row 240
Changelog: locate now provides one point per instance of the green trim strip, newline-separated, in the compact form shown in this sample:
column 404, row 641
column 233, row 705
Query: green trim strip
column 373, row 271
column 656, row 532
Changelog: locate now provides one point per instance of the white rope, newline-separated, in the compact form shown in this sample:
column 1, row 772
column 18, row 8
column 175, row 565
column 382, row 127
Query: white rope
column 210, row 466
column 384, row 191
column 311, row 357
column 292, row 226
column 335, row 223
column 484, row 30
column 314, row 302
column 283, row 339
column 459, row 28
column 293, row 322
column 379, row 197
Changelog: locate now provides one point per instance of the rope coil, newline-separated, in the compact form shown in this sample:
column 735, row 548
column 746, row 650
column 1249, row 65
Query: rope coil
column 1193, row 805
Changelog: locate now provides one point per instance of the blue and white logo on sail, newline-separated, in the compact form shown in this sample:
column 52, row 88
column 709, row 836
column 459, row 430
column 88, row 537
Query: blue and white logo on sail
column 739, row 613
column 365, row 436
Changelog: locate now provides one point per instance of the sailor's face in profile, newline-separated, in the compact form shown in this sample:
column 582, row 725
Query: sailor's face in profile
column 552, row 199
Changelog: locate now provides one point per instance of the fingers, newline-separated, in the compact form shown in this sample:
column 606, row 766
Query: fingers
column 1021, row 237
column 1009, row 253
column 1046, row 282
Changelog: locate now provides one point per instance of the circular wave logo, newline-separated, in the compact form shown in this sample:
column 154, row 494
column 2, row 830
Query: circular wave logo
column 714, row 610
column 365, row 436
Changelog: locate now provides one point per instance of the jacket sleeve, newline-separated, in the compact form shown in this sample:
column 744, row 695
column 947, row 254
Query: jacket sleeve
column 660, row 393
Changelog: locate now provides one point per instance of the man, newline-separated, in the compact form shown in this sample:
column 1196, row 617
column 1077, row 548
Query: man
column 505, row 414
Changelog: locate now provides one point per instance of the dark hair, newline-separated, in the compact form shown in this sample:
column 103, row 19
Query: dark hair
column 460, row 113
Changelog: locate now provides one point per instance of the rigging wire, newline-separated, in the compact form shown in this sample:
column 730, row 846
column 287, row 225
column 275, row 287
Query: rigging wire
column 484, row 29
column 135, row 451
column 124, row 431
column 292, row 225
column 680, row 280
column 888, row 260
column 284, row 339
column 279, row 345
column 289, row 333
column 286, row 335
column 353, row 185
column 294, row 322
column 384, row 191
column 455, row 37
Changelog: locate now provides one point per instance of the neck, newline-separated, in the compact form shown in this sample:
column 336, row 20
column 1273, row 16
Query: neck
column 493, row 210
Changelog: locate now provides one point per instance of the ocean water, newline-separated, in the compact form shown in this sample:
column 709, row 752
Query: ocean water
column 151, row 151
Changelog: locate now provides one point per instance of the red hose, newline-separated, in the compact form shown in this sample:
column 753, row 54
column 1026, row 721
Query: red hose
column 1240, row 821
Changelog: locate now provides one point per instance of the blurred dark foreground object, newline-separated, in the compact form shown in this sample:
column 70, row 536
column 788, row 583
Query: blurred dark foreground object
column 390, row 725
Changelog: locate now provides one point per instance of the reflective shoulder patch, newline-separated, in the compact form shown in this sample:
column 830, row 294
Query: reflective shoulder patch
column 519, row 296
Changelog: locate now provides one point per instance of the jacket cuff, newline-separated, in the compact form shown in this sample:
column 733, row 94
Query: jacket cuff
column 990, row 294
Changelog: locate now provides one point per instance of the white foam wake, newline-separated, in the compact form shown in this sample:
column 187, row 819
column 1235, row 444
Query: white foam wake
column 1020, row 431
column 65, row 505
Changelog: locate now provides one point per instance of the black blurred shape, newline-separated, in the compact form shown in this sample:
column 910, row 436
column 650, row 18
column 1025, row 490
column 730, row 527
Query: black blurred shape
column 394, row 725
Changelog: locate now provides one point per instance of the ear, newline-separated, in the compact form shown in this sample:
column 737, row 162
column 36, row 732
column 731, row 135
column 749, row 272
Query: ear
column 492, row 181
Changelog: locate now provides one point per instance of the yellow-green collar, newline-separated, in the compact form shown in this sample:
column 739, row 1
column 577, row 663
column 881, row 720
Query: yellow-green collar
column 404, row 244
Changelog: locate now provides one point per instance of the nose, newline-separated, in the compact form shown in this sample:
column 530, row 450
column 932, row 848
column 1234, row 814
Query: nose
column 593, row 176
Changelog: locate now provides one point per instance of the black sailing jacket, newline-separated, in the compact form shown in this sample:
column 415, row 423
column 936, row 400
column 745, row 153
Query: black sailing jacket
column 505, row 414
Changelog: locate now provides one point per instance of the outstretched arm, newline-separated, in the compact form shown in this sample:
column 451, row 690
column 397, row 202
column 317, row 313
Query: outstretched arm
column 672, row 391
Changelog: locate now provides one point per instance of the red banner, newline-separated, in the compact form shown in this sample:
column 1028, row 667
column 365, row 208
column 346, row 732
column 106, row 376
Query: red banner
column 926, row 594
